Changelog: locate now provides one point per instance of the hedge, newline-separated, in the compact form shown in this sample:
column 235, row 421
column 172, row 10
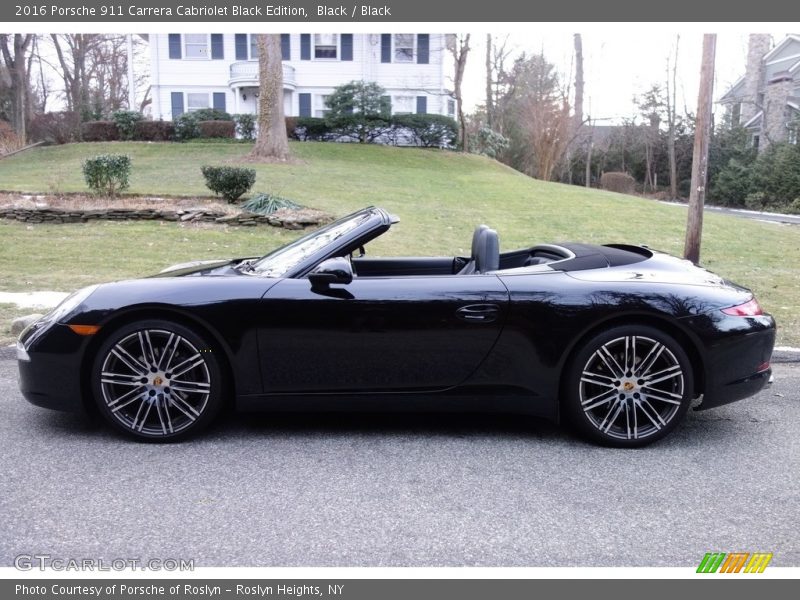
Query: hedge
column 154, row 131
column 99, row 131
column 217, row 129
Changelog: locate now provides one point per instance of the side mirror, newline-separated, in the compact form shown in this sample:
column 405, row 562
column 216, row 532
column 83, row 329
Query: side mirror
column 333, row 270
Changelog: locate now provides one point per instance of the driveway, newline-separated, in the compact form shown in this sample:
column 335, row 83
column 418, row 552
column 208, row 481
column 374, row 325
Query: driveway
column 364, row 490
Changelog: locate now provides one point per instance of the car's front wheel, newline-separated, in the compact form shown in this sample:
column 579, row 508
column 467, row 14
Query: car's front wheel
column 628, row 386
column 157, row 380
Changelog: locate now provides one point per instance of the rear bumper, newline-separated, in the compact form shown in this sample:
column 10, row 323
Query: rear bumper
column 737, row 356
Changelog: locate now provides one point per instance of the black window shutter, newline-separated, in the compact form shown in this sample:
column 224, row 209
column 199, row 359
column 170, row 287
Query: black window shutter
column 305, row 46
column 423, row 48
column 241, row 46
column 286, row 46
column 305, row 105
column 386, row 47
column 422, row 105
column 177, row 104
column 217, row 49
column 347, row 46
column 219, row 100
column 175, row 45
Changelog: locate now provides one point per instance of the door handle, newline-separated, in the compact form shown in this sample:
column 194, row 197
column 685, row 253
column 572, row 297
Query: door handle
column 478, row 313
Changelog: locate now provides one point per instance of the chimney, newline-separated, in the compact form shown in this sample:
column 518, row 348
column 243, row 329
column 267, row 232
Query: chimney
column 776, row 95
column 758, row 45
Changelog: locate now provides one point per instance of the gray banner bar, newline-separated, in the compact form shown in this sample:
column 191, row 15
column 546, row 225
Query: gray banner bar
column 730, row 588
column 443, row 11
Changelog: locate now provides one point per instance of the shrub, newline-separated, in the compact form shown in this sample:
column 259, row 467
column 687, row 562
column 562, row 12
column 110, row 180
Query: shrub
column 488, row 142
column 126, row 123
column 359, row 110
column 291, row 126
column 55, row 127
column 187, row 127
column 428, row 131
column 99, row 131
column 614, row 181
column 107, row 174
column 212, row 114
column 153, row 131
column 9, row 140
column 246, row 126
column 794, row 207
column 732, row 184
column 266, row 204
column 312, row 129
column 756, row 201
column 217, row 129
column 229, row 182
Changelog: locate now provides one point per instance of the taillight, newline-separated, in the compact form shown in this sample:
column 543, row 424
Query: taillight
column 751, row 308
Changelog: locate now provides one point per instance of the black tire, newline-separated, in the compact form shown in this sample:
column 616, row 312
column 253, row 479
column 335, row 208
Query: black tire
column 157, row 381
column 628, row 386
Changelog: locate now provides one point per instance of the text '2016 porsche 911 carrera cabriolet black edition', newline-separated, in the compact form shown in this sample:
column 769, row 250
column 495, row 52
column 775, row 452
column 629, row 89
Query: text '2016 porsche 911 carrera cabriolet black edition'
column 617, row 340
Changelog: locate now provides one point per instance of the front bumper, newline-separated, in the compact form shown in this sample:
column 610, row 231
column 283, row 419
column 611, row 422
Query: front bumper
column 49, row 362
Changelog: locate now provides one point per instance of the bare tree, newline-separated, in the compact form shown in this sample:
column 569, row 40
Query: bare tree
column 702, row 134
column 651, row 106
column 272, row 141
column 671, row 120
column 489, row 78
column 76, row 67
column 14, row 49
column 458, row 45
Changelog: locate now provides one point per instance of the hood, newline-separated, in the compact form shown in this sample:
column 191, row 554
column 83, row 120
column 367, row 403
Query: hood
column 216, row 266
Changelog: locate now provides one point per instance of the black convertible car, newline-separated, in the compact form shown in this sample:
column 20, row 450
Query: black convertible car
column 618, row 340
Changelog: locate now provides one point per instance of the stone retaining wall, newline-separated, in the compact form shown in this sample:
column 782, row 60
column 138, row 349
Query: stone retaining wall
column 57, row 215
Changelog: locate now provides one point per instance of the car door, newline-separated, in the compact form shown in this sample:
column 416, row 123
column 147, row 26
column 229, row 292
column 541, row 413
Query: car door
column 379, row 333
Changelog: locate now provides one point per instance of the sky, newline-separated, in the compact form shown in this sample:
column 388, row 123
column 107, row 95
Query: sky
column 622, row 62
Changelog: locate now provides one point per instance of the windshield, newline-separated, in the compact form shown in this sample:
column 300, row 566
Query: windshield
column 281, row 261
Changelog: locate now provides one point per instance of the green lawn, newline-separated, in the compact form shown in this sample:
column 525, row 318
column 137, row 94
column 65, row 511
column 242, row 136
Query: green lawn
column 440, row 196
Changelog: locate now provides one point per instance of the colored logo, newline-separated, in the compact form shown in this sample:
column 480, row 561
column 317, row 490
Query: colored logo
column 734, row 562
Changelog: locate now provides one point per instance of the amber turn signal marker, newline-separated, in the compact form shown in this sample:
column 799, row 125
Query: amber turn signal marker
column 85, row 329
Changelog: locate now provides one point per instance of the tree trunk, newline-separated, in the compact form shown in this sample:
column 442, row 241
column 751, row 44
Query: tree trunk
column 14, row 59
column 459, row 48
column 697, row 194
column 272, row 141
column 671, row 110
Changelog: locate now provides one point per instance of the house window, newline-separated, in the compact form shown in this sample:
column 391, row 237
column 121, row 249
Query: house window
column 736, row 113
column 253, row 46
column 195, row 45
column 756, row 140
column 196, row 101
column 326, row 45
column 451, row 107
column 403, row 105
column 320, row 107
column 404, row 47
column 792, row 138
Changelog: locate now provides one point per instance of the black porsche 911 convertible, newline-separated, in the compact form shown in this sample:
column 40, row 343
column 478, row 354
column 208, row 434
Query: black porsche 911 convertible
column 618, row 340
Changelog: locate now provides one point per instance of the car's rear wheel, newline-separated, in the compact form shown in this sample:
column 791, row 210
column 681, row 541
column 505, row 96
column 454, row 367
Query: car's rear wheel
column 628, row 386
column 157, row 381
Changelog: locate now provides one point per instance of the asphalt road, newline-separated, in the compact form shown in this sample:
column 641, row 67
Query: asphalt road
column 366, row 490
column 748, row 214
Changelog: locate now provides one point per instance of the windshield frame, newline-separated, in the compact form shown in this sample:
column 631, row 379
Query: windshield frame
column 374, row 222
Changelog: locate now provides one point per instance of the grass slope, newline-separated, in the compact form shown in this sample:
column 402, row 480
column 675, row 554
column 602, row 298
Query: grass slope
column 440, row 197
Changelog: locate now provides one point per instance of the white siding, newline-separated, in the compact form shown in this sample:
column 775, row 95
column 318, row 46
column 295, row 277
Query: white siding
column 315, row 76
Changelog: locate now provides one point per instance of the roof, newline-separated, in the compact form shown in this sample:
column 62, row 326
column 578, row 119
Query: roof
column 755, row 120
column 730, row 95
column 787, row 40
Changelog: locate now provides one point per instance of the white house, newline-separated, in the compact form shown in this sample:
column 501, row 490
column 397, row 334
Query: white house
column 190, row 71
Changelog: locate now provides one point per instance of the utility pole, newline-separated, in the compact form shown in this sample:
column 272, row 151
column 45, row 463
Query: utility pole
column 702, row 134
